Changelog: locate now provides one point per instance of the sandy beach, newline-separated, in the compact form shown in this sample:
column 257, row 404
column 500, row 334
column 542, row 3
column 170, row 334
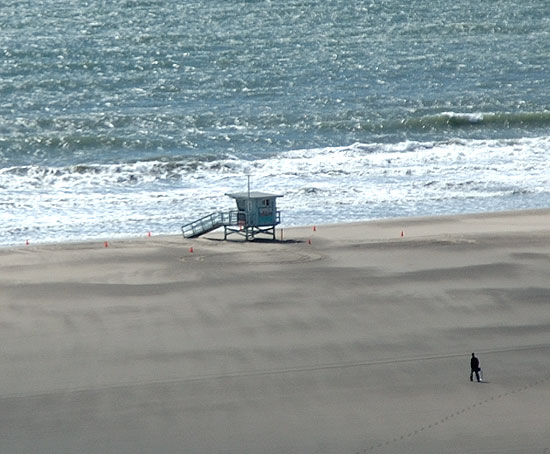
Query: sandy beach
column 338, row 339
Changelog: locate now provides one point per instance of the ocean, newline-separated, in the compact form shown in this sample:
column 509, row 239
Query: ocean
column 123, row 118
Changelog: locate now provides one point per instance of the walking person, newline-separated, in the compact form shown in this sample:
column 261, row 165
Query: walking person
column 474, row 366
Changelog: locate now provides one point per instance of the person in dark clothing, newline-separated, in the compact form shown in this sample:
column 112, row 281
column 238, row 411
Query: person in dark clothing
column 474, row 366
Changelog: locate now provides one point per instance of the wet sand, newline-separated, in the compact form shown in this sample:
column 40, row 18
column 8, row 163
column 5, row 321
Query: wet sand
column 340, row 339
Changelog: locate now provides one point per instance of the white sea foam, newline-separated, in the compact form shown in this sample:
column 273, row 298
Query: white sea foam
column 322, row 185
column 475, row 117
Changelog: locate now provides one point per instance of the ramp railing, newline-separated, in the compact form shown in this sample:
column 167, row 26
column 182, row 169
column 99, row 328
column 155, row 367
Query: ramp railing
column 210, row 222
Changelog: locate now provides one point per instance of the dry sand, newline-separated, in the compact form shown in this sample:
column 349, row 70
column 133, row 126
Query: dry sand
column 347, row 339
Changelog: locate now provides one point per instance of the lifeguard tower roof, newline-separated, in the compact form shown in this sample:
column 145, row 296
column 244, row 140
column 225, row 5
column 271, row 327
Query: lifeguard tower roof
column 252, row 195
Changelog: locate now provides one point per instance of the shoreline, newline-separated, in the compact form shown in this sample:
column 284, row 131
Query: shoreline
column 405, row 222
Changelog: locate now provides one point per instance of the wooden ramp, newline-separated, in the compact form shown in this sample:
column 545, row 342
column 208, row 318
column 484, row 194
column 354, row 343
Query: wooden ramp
column 206, row 224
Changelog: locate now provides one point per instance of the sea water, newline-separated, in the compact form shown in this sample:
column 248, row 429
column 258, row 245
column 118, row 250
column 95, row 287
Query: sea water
column 122, row 118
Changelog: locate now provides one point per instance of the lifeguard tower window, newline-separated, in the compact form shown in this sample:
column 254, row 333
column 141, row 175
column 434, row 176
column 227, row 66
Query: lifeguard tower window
column 266, row 202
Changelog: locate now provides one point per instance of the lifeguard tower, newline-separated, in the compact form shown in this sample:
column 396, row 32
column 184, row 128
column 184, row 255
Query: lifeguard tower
column 256, row 214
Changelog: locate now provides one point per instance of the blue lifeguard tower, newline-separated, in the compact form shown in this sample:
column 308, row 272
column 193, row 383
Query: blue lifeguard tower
column 256, row 214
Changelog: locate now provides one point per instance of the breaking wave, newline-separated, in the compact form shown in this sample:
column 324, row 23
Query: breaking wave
column 497, row 120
